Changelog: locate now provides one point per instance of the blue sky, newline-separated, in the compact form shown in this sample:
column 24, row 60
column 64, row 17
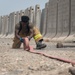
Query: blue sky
column 8, row 6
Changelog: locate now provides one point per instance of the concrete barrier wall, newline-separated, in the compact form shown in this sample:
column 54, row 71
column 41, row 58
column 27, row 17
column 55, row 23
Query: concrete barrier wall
column 7, row 24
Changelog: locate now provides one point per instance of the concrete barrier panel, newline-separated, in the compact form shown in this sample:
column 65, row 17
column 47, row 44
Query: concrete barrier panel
column 51, row 19
column 21, row 13
column 0, row 24
column 71, row 36
column 7, row 17
column 43, row 22
column 63, row 19
column 44, row 19
column 5, row 24
column 17, row 17
column 47, row 19
column 37, row 20
column 31, row 14
column 27, row 11
column 11, row 25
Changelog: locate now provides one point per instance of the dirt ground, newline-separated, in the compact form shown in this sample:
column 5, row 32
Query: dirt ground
column 21, row 62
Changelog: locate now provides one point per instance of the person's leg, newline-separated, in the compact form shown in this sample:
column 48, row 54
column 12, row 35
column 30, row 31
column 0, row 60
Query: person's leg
column 38, row 39
column 16, row 43
column 26, row 43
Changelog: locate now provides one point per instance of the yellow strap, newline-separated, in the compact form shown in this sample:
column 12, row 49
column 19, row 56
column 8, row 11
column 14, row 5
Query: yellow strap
column 37, row 36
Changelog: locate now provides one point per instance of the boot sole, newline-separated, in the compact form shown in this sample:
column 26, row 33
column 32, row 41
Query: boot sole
column 41, row 47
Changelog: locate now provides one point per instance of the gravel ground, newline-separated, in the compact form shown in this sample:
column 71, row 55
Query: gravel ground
column 21, row 62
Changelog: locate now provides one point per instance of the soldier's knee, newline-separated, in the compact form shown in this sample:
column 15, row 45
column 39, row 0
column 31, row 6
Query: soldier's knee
column 15, row 46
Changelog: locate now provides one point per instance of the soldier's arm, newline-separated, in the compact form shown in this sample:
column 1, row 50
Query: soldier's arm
column 16, row 32
column 31, row 31
column 31, row 34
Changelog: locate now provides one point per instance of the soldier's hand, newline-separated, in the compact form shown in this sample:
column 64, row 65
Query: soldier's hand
column 21, row 39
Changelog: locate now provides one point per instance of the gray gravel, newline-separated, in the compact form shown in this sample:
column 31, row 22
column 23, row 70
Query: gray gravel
column 21, row 62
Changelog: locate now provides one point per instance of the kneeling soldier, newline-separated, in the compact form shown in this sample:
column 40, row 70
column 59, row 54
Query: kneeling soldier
column 25, row 29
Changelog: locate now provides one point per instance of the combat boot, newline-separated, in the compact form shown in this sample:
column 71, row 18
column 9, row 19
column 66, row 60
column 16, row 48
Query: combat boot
column 40, row 45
